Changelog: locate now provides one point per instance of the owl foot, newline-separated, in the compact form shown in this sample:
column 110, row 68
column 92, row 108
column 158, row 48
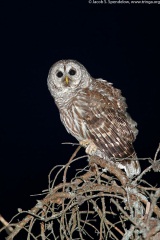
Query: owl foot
column 89, row 145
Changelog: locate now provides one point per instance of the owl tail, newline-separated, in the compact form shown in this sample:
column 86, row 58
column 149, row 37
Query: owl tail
column 131, row 166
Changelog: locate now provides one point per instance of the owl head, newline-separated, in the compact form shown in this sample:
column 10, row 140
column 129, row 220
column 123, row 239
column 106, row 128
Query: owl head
column 67, row 76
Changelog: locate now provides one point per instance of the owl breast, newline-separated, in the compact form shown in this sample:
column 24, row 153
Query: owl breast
column 74, row 116
column 70, row 119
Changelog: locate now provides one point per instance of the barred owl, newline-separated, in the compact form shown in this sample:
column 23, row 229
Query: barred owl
column 94, row 112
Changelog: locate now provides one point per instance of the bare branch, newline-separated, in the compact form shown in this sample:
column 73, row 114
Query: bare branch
column 100, row 202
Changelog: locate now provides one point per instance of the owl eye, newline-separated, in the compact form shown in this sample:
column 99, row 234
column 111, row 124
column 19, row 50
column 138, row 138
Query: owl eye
column 72, row 72
column 59, row 74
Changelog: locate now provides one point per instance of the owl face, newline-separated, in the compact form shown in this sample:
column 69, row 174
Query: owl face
column 66, row 76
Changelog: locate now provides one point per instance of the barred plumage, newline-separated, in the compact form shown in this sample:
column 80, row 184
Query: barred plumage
column 94, row 112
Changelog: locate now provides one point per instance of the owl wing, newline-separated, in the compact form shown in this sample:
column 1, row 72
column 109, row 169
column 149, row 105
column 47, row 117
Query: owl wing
column 106, row 123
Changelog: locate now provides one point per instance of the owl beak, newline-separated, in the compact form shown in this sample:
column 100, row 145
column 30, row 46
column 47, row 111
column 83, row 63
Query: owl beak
column 67, row 80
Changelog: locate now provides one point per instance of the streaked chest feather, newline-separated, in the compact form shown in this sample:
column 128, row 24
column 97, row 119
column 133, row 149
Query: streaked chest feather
column 73, row 120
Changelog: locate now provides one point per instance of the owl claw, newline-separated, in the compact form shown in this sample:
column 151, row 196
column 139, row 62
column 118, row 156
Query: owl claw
column 89, row 145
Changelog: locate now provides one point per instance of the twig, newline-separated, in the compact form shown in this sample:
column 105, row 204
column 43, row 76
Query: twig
column 8, row 228
column 76, row 205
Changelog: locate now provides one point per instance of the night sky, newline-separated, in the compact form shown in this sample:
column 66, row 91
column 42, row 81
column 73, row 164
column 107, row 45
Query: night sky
column 119, row 43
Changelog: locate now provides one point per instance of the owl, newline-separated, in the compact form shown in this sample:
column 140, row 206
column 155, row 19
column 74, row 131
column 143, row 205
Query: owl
column 94, row 112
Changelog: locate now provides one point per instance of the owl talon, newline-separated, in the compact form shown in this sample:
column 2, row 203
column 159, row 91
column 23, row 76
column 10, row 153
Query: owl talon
column 89, row 145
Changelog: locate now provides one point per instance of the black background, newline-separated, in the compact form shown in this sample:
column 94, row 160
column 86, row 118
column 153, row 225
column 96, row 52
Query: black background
column 117, row 42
